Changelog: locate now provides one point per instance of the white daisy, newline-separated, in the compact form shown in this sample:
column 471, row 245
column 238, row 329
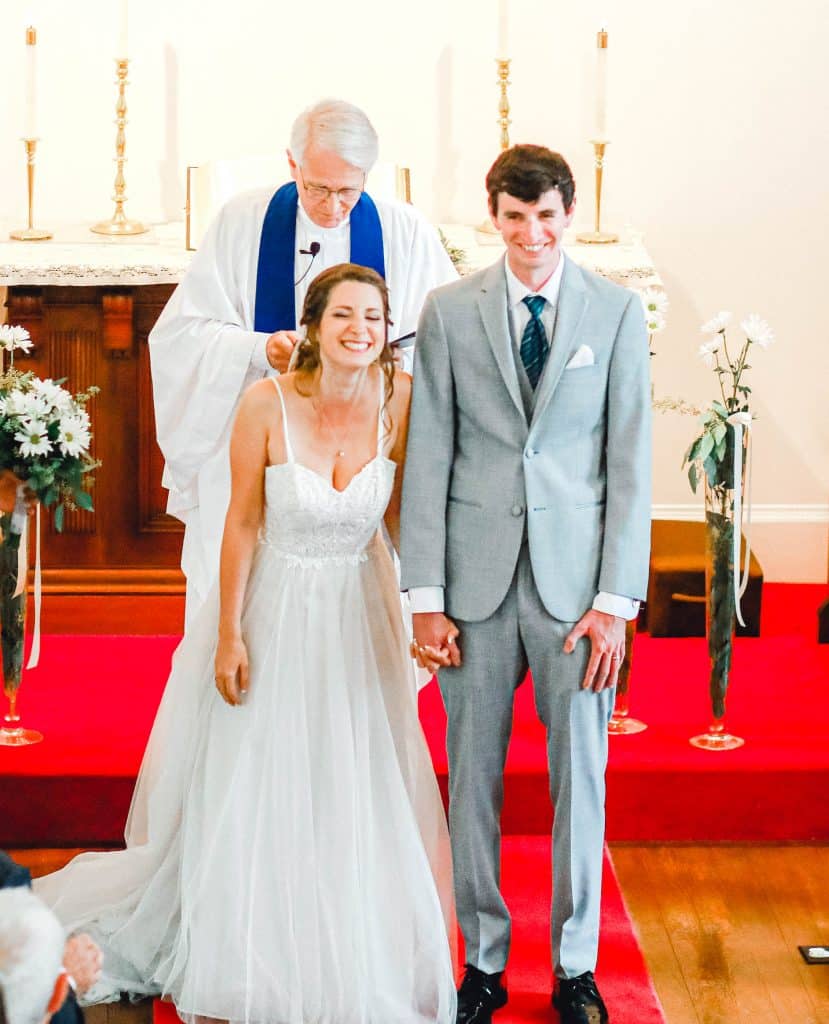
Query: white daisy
column 757, row 330
column 32, row 405
column 708, row 348
column 53, row 394
column 654, row 300
column 656, row 322
column 74, row 437
column 12, row 338
column 33, row 440
column 717, row 323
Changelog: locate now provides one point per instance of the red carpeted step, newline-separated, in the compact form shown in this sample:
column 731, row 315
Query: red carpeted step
column 94, row 698
column 621, row 973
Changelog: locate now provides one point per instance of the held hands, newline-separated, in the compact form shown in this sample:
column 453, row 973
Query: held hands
column 435, row 641
column 231, row 669
column 607, row 640
column 279, row 348
column 83, row 959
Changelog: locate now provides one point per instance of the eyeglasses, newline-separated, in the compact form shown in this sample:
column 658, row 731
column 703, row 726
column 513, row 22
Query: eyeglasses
column 342, row 195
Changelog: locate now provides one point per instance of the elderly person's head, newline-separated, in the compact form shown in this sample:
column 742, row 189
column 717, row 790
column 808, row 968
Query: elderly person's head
column 33, row 984
column 333, row 147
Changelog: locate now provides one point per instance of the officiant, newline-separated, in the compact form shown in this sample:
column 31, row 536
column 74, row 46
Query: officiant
column 234, row 317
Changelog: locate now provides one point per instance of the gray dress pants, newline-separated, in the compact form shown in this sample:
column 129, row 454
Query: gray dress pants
column 479, row 699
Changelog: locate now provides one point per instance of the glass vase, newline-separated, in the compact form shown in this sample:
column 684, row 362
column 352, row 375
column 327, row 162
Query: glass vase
column 13, row 625
column 620, row 721
column 720, row 605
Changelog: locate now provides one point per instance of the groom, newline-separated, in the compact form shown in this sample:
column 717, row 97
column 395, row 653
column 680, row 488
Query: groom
column 525, row 537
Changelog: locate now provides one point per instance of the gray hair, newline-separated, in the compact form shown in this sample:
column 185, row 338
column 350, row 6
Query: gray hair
column 340, row 127
column 31, row 955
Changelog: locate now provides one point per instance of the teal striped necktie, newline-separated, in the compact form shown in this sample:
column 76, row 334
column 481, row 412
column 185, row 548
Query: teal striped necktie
column 534, row 339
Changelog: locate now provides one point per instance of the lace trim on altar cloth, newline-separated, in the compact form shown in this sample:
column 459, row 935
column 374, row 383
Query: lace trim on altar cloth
column 295, row 560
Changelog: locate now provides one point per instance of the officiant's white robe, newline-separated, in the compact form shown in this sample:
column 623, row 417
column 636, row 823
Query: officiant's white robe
column 204, row 351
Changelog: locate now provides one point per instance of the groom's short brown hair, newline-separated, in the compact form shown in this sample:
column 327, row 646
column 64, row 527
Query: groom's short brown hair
column 527, row 172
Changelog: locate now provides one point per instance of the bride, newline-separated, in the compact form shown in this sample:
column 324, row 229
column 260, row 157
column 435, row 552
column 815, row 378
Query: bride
column 287, row 857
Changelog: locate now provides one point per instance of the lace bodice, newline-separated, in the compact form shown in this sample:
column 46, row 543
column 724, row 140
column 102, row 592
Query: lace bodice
column 309, row 522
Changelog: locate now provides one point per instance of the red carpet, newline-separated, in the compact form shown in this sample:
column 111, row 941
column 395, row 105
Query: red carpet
column 621, row 972
column 94, row 698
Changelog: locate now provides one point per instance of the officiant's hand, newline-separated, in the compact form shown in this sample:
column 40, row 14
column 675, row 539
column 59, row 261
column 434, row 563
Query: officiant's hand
column 279, row 348
column 83, row 959
column 435, row 641
column 231, row 669
column 607, row 641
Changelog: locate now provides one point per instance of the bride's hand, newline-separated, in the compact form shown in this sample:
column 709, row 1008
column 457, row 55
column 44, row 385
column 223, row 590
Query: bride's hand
column 231, row 669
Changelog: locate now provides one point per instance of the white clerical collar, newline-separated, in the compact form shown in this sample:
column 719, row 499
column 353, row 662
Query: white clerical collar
column 315, row 230
column 517, row 291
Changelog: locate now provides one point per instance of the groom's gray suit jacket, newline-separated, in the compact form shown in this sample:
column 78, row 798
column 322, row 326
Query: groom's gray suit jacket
column 574, row 470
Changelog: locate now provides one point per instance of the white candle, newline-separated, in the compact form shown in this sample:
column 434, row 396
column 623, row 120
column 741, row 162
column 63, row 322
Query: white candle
column 123, row 30
column 601, row 85
column 30, row 93
column 503, row 31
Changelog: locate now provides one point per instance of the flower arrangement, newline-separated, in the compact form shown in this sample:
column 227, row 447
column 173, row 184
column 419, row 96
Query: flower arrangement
column 709, row 451
column 44, row 431
column 717, row 455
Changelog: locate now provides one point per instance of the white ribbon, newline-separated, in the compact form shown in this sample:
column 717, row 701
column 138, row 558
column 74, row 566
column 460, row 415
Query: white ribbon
column 20, row 524
column 740, row 421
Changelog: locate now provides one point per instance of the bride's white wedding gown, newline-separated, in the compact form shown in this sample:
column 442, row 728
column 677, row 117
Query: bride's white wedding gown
column 287, row 860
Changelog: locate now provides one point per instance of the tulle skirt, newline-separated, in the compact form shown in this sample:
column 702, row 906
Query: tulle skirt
column 287, row 860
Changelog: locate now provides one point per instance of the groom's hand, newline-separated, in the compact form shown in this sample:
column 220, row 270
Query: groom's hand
column 607, row 642
column 435, row 641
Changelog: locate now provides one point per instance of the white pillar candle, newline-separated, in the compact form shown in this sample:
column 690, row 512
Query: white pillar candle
column 30, row 92
column 123, row 30
column 601, row 85
column 503, row 31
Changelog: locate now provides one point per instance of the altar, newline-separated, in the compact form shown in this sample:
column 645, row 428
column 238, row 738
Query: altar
column 89, row 304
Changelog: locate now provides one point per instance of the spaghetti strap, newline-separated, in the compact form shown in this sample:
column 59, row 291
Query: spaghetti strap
column 288, row 449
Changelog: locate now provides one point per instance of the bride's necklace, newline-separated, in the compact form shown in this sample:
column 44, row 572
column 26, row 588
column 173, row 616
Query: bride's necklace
column 338, row 436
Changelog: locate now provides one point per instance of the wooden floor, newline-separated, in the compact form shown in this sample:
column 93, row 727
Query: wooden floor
column 719, row 925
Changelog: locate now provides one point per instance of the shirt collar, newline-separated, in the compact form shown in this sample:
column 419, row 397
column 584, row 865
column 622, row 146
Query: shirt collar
column 517, row 291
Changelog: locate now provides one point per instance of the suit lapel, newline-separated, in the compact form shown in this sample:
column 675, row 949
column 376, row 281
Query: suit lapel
column 492, row 303
column 572, row 302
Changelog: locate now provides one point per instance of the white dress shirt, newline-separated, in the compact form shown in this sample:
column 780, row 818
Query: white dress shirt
column 431, row 599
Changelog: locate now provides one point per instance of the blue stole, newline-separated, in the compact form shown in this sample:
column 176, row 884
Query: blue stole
column 275, row 290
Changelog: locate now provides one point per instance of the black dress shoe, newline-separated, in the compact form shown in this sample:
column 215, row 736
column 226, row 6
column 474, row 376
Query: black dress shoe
column 578, row 1001
column 479, row 996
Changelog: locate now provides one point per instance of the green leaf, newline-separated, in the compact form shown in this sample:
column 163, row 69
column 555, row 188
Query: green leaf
column 710, row 467
column 693, row 476
column 59, row 518
column 83, row 500
column 720, row 408
column 706, row 443
column 719, row 431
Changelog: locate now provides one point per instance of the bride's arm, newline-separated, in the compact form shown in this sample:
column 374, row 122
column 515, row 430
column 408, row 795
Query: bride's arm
column 248, row 458
column 401, row 399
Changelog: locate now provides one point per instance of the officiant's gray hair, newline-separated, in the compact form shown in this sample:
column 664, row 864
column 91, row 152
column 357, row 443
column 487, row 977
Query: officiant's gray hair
column 31, row 955
column 340, row 127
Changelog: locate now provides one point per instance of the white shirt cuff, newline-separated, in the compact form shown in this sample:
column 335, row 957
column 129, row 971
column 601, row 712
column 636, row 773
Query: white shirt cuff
column 615, row 604
column 259, row 355
column 426, row 599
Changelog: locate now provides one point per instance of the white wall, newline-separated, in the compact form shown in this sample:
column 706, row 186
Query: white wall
column 719, row 155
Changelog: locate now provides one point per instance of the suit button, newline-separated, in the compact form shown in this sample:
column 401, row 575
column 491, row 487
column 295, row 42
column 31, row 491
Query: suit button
column 517, row 510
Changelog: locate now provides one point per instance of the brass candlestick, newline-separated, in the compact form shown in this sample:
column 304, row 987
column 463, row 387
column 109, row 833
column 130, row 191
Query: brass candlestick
column 486, row 231
column 503, row 105
column 598, row 236
column 30, row 234
column 119, row 225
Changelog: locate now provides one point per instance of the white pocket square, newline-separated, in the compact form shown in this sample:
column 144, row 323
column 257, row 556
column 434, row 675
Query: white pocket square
column 582, row 357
